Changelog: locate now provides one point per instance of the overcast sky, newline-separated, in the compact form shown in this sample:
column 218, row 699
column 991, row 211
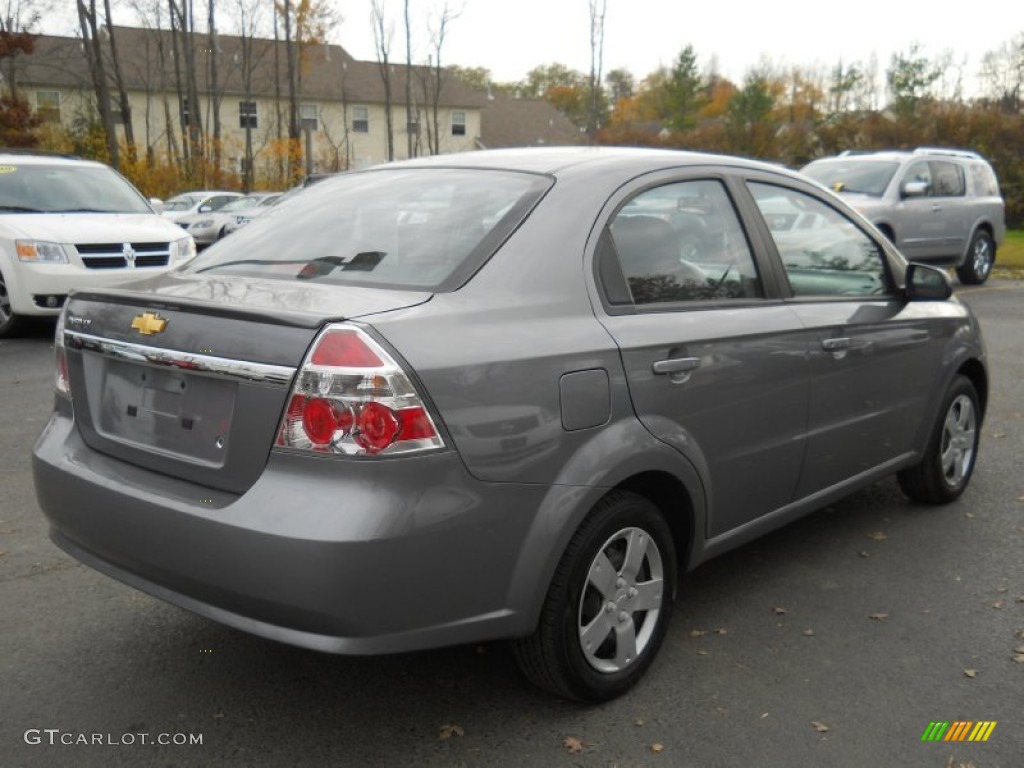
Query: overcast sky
column 510, row 37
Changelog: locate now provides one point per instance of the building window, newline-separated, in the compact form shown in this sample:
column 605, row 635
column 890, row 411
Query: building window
column 458, row 123
column 247, row 114
column 184, row 111
column 412, row 125
column 309, row 117
column 115, row 111
column 360, row 119
column 48, row 106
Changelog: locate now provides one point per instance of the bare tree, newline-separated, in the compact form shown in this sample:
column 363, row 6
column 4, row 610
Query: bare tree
column 409, row 139
column 248, row 20
column 122, row 92
column 382, row 34
column 597, row 16
column 214, row 86
column 89, row 25
column 18, row 21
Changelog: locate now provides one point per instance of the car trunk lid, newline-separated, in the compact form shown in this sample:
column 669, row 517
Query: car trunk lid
column 189, row 377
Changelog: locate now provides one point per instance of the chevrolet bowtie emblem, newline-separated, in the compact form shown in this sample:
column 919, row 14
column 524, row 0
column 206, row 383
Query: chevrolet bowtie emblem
column 148, row 323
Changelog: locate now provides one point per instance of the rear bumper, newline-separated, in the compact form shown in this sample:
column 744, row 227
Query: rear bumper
column 352, row 557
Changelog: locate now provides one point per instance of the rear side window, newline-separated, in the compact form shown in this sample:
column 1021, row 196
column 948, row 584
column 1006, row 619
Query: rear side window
column 683, row 242
column 823, row 252
column 983, row 180
column 416, row 229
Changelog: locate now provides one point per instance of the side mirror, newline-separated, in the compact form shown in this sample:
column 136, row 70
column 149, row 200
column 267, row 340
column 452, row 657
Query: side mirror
column 157, row 203
column 915, row 189
column 205, row 208
column 927, row 283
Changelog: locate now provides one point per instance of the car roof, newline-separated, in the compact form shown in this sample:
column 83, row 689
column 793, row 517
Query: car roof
column 563, row 161
column 15, row 157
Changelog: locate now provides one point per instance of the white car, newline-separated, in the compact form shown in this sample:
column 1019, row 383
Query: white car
column 207, row 228
column 201, row 201
column 66, row 224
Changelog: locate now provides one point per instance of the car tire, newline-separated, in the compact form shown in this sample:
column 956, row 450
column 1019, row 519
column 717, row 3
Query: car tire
column 222, row 233
column 10, row 323
column 626, row 610
column 948, row 462
column 980, row 257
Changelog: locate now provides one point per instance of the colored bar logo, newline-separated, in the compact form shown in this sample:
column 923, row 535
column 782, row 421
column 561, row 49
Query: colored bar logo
column 959, row 730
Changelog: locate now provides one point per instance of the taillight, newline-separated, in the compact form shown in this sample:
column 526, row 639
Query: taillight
column 351, row 397
column 62, row 380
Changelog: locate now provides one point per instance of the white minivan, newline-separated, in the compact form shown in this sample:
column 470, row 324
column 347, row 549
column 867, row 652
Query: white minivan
column 67, row 223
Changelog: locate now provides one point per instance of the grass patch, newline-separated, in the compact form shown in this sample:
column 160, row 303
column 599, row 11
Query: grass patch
column 1011, row 253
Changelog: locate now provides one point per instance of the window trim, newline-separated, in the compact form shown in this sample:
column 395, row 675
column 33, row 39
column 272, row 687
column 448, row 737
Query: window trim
column 651, row 180
column 57, row 109
column 463, row 124
column 357, row 120
column 315, row 127
column 889, row 261
column 245, row 115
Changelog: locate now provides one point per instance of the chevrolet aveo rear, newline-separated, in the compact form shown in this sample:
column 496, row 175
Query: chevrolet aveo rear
column 501, row 395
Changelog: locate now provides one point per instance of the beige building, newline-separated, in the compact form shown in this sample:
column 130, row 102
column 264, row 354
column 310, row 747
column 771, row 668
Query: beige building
column 341, row 104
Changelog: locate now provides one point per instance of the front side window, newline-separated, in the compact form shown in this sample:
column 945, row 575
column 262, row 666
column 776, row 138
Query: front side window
column 48, row 106
column 360, row 119
column 248, row 117
column 823, row 252
column 458, row 123
column 947, row 179
column 684, row 242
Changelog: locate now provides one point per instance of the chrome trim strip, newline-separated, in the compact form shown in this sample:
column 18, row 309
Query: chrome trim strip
column 264, row 373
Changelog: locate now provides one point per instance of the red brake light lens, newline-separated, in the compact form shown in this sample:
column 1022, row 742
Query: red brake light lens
column 352, row 397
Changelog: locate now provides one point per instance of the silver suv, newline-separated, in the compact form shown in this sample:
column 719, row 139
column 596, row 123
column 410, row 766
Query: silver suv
column 937, row 205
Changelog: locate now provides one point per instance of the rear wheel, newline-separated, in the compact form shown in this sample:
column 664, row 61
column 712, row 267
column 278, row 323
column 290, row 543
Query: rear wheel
column 948, row 462
column 980, row 258
column 608, row 605
column 10, row 323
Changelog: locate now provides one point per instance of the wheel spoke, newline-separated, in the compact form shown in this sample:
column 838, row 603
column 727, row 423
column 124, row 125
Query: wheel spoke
column 636, row 548
column 596, row 632
column 648, row 596
column 625, row 642
column 602, row 576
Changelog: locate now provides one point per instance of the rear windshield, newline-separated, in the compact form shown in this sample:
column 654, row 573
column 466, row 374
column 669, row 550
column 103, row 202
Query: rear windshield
column 41, row 188
column 406, row 228
column 867, row 177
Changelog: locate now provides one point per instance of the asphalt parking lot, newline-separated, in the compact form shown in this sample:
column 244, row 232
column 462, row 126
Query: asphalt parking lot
column 833, row 642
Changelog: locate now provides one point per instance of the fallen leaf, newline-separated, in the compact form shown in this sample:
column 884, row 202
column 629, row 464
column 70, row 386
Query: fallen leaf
column 877, row 536
column 1019, row 599
column 969, row 515
column 1019, row 649
column 879, row 616
column 218, row 715
column 862, row 553
column 697, row 633
column 638, row 723
column 447, row 731
column 764, row 715
column 1001, row 590
column 721, row 631
column 657, row 747
column 997, row 604
column 809, row 632
column 819, row 727
column 778, row 611
column 702, row 653
column 998, row 435
column 971, row 673
column 1018, row 658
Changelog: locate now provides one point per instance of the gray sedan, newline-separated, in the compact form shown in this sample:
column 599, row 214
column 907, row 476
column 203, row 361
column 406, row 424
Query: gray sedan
column 505, row 394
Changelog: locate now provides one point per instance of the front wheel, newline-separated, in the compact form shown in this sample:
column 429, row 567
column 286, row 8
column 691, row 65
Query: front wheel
column 10, row 323
column 608, row 606
column 980, row 258
column 948, row 463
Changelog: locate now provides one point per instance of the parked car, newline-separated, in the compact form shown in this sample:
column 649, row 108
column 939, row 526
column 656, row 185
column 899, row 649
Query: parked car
column 239, row 219
column 484, row 396
column 203, row 201
column 69, row 223
column 941, row 206
column 208, row 228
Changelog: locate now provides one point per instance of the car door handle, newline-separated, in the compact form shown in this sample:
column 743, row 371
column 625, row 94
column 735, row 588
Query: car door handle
column 836, row 345
column 676, row 365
